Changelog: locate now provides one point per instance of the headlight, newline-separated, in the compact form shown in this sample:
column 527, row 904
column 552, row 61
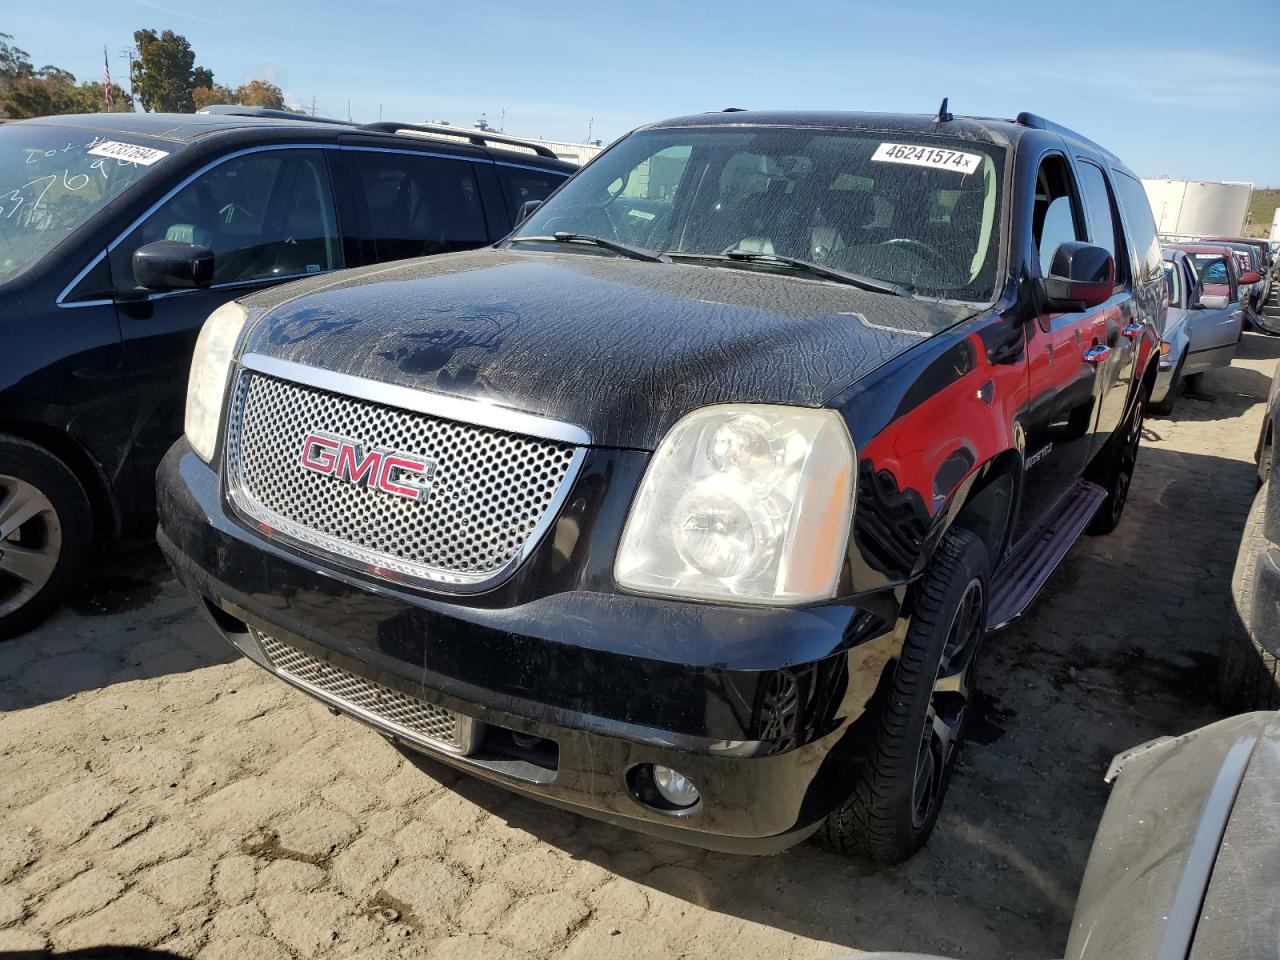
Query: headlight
column 210, row 365
column 743, row 502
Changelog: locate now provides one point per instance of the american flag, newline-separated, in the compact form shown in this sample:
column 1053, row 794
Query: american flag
column 106, row 79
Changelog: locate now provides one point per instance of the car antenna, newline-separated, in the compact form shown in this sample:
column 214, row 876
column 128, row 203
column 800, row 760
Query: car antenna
column 943, row 113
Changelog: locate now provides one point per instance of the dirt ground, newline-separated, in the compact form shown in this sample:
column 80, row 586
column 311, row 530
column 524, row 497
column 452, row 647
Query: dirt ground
column 157, row 791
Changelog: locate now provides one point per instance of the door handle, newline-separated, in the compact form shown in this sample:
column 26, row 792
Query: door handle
column 1132, row 331
column 1097, row 353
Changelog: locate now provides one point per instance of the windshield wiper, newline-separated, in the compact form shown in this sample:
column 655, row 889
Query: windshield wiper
column 817, row 270
column 626, row 250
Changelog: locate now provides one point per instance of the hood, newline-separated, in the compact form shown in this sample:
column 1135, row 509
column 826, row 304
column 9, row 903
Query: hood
column 621, row 348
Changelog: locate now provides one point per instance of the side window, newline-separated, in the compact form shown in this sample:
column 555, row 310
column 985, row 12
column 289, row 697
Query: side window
column 520, row 185
column 1054, row 219
column 1141, row 226
column 1173, row 280
column 264, row 215
column 1100, row 212
column 418, row 205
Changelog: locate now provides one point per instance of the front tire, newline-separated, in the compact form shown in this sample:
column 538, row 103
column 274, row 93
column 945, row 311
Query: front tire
column 899, row 792
column 1248, row 674
column 46, row 526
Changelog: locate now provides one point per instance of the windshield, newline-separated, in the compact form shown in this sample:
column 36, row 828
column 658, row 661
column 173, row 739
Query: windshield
column 1211, row 267
column 919, row 211
column 53, row 179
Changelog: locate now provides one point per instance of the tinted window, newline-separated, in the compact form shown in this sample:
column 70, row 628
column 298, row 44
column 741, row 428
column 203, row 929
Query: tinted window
column 1140, row 224
column 521, row 186
column 53, row 179
column 919, row 210
column 1099, row 211
column 1053, row 214
column 263, row 215
column 419, row 205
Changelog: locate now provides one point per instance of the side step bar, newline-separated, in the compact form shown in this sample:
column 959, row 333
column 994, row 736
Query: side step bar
column 1035, row 558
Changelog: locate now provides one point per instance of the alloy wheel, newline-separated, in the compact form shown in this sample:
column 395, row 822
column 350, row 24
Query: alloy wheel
column 948, row 701
column 30, row 542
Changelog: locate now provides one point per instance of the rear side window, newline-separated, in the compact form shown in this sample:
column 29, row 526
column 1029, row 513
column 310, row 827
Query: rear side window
column 520, row 185
column 418, row 205
column 1099, row 210
column 265, row 215
column 1141, row 226
column 1173, row 279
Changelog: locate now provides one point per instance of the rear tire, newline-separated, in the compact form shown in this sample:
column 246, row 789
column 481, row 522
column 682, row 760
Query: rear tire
column 46, row 527
column 1248, row 674
column 1114, row 469
column 899, row 792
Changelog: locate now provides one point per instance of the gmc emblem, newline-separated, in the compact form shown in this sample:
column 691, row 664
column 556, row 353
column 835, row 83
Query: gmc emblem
column 385, row 470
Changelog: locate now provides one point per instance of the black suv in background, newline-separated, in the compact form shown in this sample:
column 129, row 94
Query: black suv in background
column 689, row 505
column 121, row 233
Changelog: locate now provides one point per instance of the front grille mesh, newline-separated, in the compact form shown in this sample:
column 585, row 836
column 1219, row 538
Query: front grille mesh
column 390, row 708
column 491, row 489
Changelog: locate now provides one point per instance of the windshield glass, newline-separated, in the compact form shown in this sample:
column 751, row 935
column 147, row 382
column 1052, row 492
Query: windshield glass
column 920, row 211
column 1211, row 267
column 53, row 179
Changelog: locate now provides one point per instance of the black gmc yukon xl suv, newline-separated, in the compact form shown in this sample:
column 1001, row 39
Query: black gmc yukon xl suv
column 687, row 506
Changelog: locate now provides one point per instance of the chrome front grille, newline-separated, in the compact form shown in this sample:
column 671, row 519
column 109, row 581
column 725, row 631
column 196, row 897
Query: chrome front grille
column 410, row 717
column 492, row 495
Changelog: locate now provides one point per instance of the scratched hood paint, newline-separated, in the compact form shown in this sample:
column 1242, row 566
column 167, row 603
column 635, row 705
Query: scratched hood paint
column 620, row 347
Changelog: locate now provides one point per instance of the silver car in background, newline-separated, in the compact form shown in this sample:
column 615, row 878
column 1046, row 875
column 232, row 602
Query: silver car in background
column 1203, row 327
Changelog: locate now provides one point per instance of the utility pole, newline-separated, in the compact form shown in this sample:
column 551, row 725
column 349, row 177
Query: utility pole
column 127, row 52
column 313, row 104
column 348, row 109
column 502, row 120
column 590, row 124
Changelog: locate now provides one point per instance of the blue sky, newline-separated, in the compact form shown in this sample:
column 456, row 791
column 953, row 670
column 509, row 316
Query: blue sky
column 1175, row 88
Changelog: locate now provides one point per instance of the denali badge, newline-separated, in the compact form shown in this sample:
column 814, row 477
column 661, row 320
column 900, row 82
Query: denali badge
column 385, row 470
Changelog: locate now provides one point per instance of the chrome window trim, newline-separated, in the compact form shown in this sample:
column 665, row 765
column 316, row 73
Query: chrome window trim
column 352, row 557
column 459, row 409
column 563, row 175
column 218, row 161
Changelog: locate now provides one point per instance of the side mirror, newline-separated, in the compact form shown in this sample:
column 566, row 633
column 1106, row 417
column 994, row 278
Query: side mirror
column 526, row 209
column 1213, row 301
column 1249, row 278
column 172, row 265
column 1080, row 276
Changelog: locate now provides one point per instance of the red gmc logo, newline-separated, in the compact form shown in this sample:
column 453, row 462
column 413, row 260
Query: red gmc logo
column 385, row 470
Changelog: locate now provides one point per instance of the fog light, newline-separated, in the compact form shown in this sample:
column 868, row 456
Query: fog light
column 674, row 787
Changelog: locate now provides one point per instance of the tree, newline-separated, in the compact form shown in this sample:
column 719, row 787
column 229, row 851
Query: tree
column 28, row 92
column 164, row 72
column 206, row 96
column 260, row 93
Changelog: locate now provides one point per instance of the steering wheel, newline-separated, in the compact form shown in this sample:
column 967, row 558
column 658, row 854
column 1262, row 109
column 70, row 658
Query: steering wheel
column 919, row 247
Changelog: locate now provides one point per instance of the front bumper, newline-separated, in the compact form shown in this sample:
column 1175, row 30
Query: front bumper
column 765, row 710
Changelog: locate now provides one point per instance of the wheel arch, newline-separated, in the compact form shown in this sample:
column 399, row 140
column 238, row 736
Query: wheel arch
column 984, row 504
column 102, row 501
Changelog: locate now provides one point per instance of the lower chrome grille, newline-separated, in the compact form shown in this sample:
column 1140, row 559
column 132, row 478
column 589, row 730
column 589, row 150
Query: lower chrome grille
column 406, row 716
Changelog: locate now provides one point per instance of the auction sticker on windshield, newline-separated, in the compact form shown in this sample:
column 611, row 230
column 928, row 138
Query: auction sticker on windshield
column 937, row 157
column 145, row 156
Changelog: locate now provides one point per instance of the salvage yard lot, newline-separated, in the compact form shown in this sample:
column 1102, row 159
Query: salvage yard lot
column 155, row 790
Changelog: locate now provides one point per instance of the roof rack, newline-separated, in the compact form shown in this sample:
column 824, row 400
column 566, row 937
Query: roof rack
column 236, row 110
column 1036, row 122
column 478, row 137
